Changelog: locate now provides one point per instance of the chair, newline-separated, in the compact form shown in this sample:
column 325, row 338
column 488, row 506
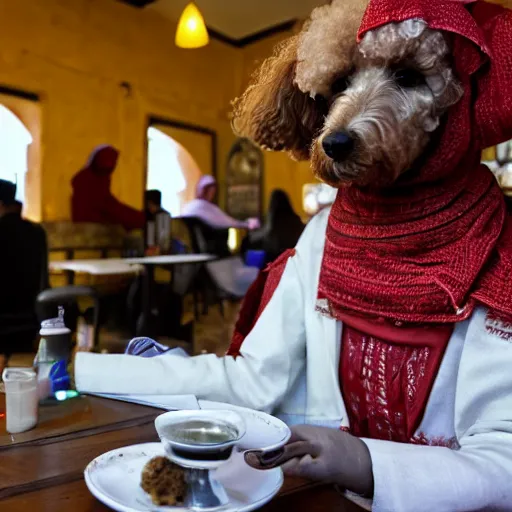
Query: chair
column 206, row 239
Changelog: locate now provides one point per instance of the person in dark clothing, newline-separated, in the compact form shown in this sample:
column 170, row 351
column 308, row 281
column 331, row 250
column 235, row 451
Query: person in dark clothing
column 158, row 221
column 282, row 228
column 92, row 200
column 23, row 273
column 153, row 199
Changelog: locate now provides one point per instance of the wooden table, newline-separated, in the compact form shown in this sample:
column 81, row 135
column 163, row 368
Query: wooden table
column 42, row 470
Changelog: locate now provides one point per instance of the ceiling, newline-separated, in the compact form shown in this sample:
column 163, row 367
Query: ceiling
column 240, row 20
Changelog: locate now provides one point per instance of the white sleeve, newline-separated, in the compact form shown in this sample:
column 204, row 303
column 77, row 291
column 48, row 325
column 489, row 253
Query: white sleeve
column 478, row 476
column 212, row 215
column 221, row 220
column 273, row 355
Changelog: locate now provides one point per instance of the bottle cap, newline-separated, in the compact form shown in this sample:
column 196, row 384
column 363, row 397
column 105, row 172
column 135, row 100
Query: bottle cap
column 54, row 325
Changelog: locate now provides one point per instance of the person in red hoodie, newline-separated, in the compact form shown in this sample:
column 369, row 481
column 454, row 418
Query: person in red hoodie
column 92, row 200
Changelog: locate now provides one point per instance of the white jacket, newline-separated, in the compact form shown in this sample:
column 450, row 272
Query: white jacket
column 290, row 367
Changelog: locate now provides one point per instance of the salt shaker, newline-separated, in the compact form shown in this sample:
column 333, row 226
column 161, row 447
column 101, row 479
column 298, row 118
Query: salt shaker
column 21, row 399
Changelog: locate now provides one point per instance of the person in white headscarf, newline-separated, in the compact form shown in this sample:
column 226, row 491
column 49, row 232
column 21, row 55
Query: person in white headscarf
column 230, row 274
column 204, row 208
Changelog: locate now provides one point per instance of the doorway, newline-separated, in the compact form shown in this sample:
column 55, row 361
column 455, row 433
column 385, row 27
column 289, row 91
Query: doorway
column 178, row 155
column 15, row 140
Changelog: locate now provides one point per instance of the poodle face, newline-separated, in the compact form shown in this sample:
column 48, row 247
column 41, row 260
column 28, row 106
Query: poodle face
column 382, row 115
column 363, row 114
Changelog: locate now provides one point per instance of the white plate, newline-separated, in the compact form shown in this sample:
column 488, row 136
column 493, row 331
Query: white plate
column 114, row 479
column 263, row 431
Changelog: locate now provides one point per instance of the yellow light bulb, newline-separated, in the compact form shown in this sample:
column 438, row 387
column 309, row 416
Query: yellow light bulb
column 192, row 32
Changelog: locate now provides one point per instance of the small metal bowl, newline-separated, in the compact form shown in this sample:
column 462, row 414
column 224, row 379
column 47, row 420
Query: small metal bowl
column 201, row 441
column 200, row 432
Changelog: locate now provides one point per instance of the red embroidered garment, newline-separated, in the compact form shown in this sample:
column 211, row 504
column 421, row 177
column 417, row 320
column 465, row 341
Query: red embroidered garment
column 386, row 376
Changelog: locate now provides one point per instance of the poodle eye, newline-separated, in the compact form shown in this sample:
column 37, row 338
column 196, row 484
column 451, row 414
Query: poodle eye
column 408, row 78
column 340, row 85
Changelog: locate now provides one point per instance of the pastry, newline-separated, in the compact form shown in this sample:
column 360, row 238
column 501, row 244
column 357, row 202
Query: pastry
column 164, row 481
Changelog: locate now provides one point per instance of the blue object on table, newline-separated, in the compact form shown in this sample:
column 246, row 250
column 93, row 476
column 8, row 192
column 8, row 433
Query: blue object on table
column 178, row 247
column 255, row 259
column 147, row 347
column 59, row 377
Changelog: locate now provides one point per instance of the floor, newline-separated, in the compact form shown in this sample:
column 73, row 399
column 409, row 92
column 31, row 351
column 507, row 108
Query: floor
column 212, row 333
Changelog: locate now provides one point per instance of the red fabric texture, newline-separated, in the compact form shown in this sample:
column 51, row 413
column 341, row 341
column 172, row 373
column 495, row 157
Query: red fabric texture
column 256, row 300
column 386, row 384
column 439, row 241
column 92, row 200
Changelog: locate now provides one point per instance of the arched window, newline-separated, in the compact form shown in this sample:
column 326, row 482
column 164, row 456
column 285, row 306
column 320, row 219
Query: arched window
column 14, row 142
column 171, row 169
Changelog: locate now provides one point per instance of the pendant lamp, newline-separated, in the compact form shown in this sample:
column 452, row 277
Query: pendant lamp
column 191, row 32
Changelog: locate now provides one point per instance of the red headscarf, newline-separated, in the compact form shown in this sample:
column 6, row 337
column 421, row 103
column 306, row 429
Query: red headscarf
column 439, row 241
column 92, row 200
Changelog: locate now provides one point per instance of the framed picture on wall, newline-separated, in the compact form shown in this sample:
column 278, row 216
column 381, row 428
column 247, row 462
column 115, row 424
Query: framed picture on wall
column 244, row 180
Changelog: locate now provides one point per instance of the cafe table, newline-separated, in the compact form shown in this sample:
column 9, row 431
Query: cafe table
column 150, row 263
column 42, row 470
column 115, row 266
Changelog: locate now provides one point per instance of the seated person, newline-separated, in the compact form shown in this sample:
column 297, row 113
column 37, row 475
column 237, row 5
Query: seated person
column 230, row 274
column 281, row 231
column 154, row 205
column 390, row 322
column 23, row 274
column 92, row 200
column 204, row 208
column 158, row 226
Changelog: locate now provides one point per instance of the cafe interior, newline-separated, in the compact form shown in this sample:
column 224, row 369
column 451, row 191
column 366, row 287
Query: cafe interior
column 134, row 76
column 150, row 84
column 115, row 128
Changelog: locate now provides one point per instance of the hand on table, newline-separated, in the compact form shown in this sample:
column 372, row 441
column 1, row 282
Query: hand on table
column 253, row 224
column 322, row 454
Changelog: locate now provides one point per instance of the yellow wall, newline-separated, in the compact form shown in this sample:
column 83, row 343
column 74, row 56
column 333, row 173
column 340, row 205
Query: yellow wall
column 77, row 54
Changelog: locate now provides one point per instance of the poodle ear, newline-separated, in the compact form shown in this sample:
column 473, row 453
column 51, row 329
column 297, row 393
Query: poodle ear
column 273, row 111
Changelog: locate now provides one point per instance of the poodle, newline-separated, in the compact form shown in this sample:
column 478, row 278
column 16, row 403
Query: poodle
column 362, row 113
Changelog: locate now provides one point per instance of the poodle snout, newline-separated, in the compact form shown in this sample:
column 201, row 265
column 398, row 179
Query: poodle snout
column 338, row 145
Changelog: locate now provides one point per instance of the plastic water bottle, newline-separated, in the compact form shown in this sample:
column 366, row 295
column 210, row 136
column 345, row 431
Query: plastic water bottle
column 54, row 346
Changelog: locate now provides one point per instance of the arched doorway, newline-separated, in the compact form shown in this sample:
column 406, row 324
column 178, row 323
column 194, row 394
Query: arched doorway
column 15, row 140
column 172, row 170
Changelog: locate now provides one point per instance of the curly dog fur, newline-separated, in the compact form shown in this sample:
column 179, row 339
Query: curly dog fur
column 383, row 98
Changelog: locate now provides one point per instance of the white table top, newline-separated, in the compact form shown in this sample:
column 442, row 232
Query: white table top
column 99, row 267
column 117, row 266
column 172, row 259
